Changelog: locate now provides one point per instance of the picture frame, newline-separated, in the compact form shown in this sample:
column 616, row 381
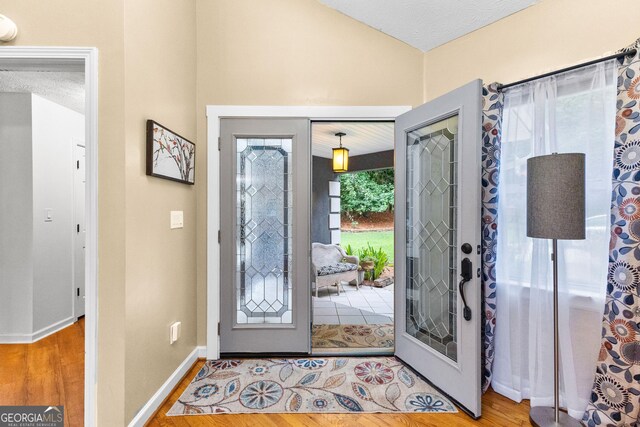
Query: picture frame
column 170, row 155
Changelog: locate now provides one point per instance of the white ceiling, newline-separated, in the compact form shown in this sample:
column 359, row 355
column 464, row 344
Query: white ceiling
column 426, row 24
column 361, row 137
column 63, row 88
column 61, row 82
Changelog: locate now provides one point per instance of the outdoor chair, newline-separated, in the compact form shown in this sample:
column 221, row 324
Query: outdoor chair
column 330, row 265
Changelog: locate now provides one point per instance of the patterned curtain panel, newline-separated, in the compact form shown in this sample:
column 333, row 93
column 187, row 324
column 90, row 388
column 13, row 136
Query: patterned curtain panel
column 492, row 104
column 615, row 398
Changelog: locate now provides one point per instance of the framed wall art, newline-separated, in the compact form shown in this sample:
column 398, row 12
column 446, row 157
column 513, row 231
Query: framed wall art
column 169, row 155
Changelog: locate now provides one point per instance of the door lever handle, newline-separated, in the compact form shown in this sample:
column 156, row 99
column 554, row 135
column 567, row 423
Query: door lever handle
column 467, row 274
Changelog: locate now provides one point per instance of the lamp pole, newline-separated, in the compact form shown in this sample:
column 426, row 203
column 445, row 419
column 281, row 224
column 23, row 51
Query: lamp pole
column 555, row 192
column 556, row 341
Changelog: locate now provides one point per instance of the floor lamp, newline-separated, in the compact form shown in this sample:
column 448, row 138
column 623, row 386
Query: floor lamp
column 555, row 210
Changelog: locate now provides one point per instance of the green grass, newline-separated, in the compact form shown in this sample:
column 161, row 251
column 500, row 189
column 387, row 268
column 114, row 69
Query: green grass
column 378, row 239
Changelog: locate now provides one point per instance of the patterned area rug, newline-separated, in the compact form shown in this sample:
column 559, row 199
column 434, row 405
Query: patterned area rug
column 328, row 385
column 352, row 336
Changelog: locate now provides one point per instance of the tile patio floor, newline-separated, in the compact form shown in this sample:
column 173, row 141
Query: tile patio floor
column 368, row 305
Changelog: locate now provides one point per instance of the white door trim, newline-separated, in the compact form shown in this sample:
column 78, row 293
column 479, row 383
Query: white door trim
column 214, row 113
column 90, row 57
column 76, row 143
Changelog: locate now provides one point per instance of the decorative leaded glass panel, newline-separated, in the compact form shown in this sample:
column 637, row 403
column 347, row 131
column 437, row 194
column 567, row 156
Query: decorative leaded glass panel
column 431, row 235
column 264, row 230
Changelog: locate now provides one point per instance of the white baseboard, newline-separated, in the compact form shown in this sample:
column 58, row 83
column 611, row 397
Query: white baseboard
column 45, row 332
column 159, row 396
column 37, row 335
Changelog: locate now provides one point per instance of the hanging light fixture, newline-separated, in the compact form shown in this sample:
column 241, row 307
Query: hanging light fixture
column 340, row 156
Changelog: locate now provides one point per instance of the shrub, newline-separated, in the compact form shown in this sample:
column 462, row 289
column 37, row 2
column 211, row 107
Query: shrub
column 367, row 191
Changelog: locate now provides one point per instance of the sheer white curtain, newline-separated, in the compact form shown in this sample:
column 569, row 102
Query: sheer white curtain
column 572, row 112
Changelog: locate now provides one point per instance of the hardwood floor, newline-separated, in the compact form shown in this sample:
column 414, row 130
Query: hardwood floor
column 496, row 411
column 51, row 372
column 47, row 372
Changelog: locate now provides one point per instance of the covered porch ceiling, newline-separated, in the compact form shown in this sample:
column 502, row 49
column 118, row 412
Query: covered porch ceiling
column 361, row 137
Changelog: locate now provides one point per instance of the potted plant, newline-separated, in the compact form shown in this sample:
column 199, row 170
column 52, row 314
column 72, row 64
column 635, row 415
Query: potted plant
column 367, row 262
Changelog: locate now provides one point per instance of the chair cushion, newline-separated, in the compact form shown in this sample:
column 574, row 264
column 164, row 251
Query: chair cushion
column 325, row 254
column 340, row 267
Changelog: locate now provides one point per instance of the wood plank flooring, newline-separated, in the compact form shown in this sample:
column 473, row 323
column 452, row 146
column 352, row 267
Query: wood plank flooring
column 51, row 372
column 496, row 411
column 47, row 372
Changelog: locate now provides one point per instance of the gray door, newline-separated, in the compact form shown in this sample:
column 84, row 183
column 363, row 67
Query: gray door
column 265, row 291
column 437, row 233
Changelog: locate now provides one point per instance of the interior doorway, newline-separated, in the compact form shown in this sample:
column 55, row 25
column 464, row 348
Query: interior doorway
column 352, row 238
column 48, row 242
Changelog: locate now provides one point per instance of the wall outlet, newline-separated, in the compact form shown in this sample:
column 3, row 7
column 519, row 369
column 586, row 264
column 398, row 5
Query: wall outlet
column 174, row 332
column 177, row 219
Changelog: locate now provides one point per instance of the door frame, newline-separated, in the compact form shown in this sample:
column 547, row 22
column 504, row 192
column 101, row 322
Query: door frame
column 90, row 57
column 214, row 113
column 77, row 143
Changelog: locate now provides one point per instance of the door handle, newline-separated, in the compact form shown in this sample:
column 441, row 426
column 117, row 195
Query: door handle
column 467, row 274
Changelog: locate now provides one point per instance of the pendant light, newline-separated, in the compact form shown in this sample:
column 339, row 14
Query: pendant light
column 340, row 156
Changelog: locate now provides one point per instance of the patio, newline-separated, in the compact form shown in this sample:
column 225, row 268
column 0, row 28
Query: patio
column 369, row 305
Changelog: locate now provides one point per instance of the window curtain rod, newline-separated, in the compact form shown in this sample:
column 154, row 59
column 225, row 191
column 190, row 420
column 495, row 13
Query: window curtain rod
column 564, row 70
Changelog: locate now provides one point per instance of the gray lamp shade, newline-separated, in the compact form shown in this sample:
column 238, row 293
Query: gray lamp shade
column 555, row 196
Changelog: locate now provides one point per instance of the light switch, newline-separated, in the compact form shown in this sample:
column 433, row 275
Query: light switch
column 48, row 215
column 177, row 219
column 174, row 332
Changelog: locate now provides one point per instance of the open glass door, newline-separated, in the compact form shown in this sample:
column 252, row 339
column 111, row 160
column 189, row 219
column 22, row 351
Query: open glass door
column 264, row 236
column 437, row 237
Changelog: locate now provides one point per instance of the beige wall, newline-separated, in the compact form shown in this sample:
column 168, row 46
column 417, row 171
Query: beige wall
column 160, row 84
column 547, row 36
column 291, row 52
column 96, row 23
column 286, row 52
column 298, row 52
column 153, row 56
column 146, row 272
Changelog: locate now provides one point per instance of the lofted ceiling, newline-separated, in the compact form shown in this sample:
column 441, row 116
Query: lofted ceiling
column 361, row 137
column 426, row 24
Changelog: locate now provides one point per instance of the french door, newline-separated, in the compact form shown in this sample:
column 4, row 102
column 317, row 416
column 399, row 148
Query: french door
column 265, row 290
column 437, row 238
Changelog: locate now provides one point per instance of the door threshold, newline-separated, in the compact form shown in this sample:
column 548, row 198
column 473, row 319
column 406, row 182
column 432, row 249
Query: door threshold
column 262, row 355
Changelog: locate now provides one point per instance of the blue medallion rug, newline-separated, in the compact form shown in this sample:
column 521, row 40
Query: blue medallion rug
column 326, row 385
